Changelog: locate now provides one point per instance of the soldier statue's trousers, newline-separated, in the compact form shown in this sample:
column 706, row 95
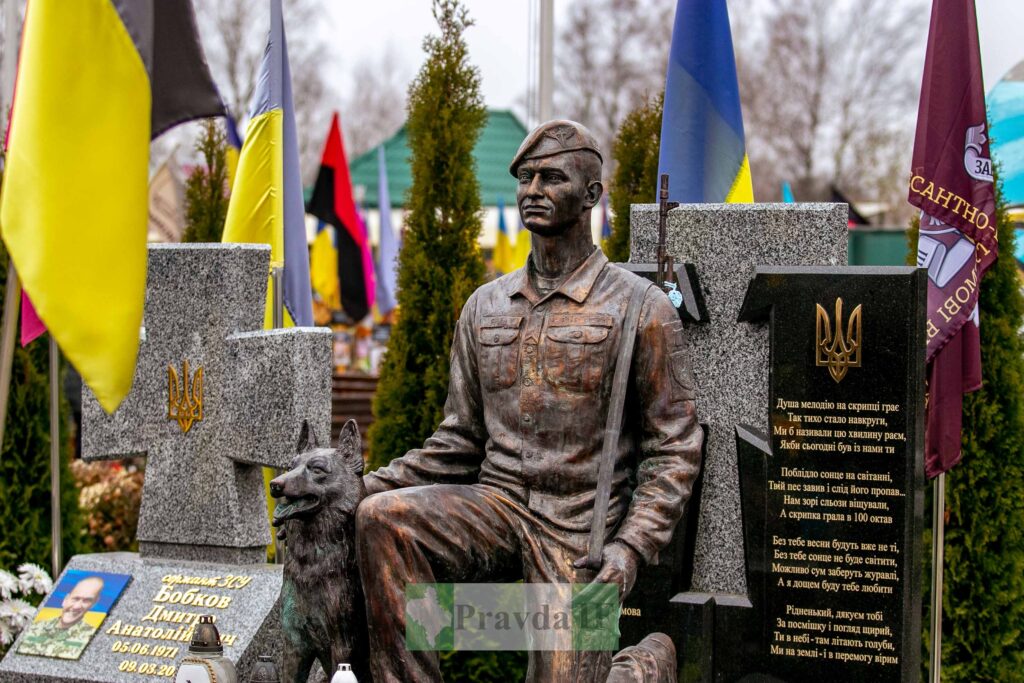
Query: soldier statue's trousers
column 459, row 533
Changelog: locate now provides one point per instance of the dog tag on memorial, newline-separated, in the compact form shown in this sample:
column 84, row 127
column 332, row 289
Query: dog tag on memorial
column 675, row 297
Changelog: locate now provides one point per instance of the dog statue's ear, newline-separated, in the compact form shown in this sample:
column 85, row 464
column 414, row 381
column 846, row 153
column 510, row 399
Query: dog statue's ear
column 350, row 446
column 307, row 438
column 354, row 462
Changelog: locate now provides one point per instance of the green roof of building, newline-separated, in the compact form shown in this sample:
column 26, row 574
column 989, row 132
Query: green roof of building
column 498, row 143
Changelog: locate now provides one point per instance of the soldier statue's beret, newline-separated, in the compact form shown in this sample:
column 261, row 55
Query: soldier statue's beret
column 555, row 137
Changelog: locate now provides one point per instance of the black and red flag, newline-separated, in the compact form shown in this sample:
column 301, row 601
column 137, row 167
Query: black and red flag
column 951, row 183
column 332, row 203
column 855, row 217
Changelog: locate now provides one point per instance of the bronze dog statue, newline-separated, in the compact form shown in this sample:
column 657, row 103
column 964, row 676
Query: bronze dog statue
column 322, row 612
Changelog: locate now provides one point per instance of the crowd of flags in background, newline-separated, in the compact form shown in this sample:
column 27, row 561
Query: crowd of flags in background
column 510, row 251
column 132, row 75
column 95, row 84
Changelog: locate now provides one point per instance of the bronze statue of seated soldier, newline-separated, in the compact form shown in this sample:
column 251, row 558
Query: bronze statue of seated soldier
column 506, row 487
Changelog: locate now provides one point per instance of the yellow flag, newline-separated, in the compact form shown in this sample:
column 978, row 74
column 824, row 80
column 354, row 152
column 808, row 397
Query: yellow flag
column 522, row 248
column 74, row 203
column 256, row 209
column 323, row 268
column 73, row 209
column 266, row 197
column 504, row 251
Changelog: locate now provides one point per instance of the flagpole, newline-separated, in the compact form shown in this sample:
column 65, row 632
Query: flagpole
column 938, row 543
column 8, row 332
column 277, row 278
column 55, row 555
column 277, row 283
column 546, row 61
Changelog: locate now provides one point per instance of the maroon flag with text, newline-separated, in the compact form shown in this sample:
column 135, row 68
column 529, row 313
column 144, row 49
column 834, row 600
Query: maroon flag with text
column 951, row 183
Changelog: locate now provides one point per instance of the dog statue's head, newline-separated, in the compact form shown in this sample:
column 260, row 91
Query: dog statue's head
column 321, row 478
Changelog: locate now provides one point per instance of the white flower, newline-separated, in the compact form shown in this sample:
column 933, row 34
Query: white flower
column 6, row 634
column 8, row 585
column 32, row 577
column 20, row 613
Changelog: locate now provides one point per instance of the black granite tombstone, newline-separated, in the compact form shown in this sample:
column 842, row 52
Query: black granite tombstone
column 832, row 497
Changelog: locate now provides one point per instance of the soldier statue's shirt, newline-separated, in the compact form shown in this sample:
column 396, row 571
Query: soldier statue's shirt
column 528, row 398
column 47, row 638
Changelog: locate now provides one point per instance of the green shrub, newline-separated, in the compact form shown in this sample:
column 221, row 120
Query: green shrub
column 440, row 264
column 25, row 462
column 636, row 175
column 206, row 190
column 483, row 667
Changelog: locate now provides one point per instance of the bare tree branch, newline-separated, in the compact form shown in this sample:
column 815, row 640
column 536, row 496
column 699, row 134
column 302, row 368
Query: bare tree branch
column 829, row 90
column 374, row 107
column 610, row 57
column 234, row 34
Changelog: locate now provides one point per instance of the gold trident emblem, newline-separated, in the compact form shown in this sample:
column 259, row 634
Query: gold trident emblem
column 837, row 351
column 184, row 397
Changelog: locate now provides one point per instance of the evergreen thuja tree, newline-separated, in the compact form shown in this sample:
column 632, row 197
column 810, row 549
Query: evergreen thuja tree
column 983, row 591
column 983, row 599
column 636, row 175
column 440, row 264
column 206, row 190
column 25, row 463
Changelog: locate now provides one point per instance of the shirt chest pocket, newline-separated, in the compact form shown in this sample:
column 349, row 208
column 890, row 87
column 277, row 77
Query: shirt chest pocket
column 576, row 351
column 499, row 352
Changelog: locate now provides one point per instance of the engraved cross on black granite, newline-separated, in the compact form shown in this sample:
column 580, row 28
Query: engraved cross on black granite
column 207, row 434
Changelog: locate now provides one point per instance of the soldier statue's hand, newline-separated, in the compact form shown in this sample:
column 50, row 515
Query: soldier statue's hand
column 619, row 564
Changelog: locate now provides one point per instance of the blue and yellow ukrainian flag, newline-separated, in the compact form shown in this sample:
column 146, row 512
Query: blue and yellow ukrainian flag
column 266, row 200
column 504, row 249
column 702, row 144
column 233, row 150
column 523, row 244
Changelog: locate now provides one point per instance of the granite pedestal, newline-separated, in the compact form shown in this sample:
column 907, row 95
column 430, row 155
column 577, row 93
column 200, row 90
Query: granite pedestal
column 150, row 617
column 725, row 243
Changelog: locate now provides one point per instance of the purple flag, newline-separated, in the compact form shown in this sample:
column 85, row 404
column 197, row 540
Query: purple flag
column 951, row 183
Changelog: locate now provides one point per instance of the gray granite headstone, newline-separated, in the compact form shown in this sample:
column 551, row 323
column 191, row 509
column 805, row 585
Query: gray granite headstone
column 146, row 633
column 726, row 242
column 203, row 527
column 203, row 497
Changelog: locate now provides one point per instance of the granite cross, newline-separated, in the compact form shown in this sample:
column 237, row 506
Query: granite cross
column 213, row 398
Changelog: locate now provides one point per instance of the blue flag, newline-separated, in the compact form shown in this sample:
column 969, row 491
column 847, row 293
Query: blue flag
column 702, row 144
column 387, row 259
column 787, row 193
column 606, row 225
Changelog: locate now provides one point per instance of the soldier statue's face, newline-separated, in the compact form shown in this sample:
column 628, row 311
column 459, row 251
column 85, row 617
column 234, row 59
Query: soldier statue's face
column 553, row 192
column 80, row 600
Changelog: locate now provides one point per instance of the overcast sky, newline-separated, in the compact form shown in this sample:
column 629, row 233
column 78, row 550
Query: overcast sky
column 498, row 42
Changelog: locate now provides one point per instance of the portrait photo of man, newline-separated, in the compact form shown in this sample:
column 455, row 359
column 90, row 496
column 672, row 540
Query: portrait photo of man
column 71, row 615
